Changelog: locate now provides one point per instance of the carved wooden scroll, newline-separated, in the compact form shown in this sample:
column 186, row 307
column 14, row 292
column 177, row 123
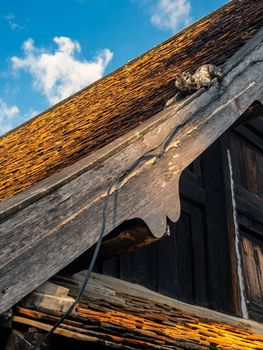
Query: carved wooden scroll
column 46, row 227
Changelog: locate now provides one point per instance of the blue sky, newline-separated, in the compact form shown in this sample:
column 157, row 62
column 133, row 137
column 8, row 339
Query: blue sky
column 52, row 48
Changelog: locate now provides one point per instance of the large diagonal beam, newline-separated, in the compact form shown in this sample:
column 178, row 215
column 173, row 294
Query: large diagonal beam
column 47, row 226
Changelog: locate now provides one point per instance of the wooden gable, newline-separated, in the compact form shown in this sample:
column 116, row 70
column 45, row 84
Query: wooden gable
column 47, row 226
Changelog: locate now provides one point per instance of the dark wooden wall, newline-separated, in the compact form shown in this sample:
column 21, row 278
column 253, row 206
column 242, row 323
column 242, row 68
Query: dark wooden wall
column 246, row 144
column 197, row 262
column 193, row 263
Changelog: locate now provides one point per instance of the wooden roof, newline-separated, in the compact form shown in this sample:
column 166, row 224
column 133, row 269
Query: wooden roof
column 117, row 103
column 47, row 226
column 122, row 315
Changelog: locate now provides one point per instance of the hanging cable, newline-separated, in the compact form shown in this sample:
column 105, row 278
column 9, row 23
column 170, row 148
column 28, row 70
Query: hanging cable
column 86, row 274
column 150, row 155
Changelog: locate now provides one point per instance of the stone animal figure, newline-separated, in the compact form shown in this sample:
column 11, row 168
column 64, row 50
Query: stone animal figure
column 187, row 83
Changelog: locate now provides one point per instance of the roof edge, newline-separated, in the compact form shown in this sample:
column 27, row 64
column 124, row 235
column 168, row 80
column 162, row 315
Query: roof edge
column 45, row 186
column 119, row 68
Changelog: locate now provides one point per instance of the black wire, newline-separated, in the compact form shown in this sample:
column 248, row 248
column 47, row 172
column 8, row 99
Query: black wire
column 116, row 181
column 86, row 275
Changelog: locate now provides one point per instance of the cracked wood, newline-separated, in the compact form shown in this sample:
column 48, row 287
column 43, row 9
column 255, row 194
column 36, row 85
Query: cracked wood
column 46, row 227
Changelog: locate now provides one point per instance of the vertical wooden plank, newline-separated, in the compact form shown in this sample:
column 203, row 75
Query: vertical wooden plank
column 167, row 273
column 196, row 170
column 258, row 252
column 111, row 267
column 148, row 266
column 219, row 262
column 253, row 160
column 229, row 141
column 233, row 141
column 184, row 258
column 251, row 274
column 259, row 163
column 248, row 166
column 249, row 135
column 140, row 267
column 200, row 269
column 175, row 264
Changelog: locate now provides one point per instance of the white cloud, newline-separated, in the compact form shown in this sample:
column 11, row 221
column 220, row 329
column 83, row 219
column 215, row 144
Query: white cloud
column 8, row 115
column 10, row 18
column 31, row 113
column 171, row 14
column 59, row 74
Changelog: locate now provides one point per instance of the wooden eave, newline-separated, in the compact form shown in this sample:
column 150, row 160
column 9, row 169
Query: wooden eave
column 123, row 315
column 45, row 227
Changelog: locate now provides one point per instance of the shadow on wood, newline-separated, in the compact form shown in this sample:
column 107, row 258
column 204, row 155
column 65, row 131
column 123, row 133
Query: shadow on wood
column 128, row 237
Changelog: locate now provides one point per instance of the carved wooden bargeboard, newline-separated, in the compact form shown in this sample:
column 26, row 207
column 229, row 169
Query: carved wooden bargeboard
column 47, row 226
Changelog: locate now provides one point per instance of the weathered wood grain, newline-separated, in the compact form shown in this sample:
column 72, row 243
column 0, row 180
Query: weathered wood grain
column 46, row 227
column 139, row 292
column 146, row 316
column 249, row 205
column 230, row 224
column 126, row 238
column 252, row 257
column 218, row 243
column 247, row 154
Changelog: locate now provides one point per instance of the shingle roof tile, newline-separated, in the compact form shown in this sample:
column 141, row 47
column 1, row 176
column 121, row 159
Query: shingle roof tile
column 117, row 103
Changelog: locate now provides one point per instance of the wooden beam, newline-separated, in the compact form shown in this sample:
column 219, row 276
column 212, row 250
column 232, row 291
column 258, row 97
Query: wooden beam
column 218, row 240
column 231, row 230
column 46, row 227
column 140, row 292
column 251, row 114
column 132, row 235
column 49, row 296
column 129, row 237
column 249, row 205
column 143, row 315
